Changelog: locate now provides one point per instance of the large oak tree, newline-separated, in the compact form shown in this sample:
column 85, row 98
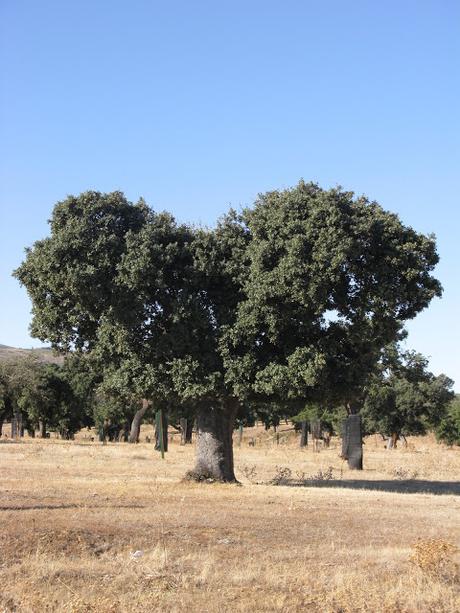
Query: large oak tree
column 290, row 301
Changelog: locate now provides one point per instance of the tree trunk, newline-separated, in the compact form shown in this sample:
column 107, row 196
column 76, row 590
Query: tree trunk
column 1, row 426
column 352, row 442
column 136, row 423
column 214, row 450
column 392, row 440
column 42, row 428
column 20, row 424
column 186, row 426
column 304, row 434
column 189, row 431
column 125, row 432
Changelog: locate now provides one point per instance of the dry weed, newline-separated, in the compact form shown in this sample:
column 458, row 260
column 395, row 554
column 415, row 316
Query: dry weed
column 436, row 558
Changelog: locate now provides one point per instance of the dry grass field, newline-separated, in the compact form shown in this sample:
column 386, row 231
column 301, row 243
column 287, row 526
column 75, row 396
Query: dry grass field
column 74, row 514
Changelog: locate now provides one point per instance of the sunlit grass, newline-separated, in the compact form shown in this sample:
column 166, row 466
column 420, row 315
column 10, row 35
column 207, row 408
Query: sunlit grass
column 74, row 513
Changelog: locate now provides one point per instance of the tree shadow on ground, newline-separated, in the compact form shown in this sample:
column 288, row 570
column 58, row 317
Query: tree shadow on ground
column 53, row 507
column 410, row 486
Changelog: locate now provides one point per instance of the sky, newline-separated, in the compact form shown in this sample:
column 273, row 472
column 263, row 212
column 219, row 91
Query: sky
column 200, row 105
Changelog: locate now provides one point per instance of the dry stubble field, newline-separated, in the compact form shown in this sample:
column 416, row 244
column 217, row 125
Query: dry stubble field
column 73, row 513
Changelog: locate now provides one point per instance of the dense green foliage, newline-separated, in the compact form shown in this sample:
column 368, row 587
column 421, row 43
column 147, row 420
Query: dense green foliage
column 403, row 397
column 44, row 394
column 448, row 428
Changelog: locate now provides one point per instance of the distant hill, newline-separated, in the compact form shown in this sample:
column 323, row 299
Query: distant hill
column 44, row 353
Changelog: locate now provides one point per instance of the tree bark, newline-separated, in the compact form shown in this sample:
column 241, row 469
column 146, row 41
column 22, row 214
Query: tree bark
column 214, row 448
column 352, row 442
column 136, row 423
column 392, row 440
column 189, row 431
column 125, row 432
column 1, row 426
column 42, row 428
column 304, row 434
column 184, row 425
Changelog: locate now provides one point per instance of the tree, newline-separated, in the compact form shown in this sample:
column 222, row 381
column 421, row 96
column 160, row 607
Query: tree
column 48, row 402
column 18, row 377
column 231, row 316
column 331, row 279
column 83, row 378
column 6, row 395
column 448, row 428
column 404, row 397
column 42, row 395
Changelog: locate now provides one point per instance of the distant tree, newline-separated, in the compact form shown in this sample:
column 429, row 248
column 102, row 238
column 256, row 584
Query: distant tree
column 45, row 395
column 5, row 397
column 83, row 377
column 113, row 415
column 17, row 376
column 405, row 398
column 47, row 401
column 448, row 428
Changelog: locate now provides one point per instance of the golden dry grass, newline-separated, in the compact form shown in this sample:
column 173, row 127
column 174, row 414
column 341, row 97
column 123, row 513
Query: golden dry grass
column 73, row 513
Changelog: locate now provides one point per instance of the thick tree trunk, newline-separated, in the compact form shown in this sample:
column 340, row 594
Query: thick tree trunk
column 136, row 423
column 352, row 442
column 214, row 449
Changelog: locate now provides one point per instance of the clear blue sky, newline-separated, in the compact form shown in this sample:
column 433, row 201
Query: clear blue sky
column 198, row 105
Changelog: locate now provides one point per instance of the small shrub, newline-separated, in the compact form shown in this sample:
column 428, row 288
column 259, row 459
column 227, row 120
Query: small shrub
column 192, row 475
column 435, row 557
column 403, row 474
column 321, row 475
column 282, row 476
column 249, row 472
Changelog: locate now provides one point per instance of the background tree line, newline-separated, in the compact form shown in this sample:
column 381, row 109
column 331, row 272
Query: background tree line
column 402, row 398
